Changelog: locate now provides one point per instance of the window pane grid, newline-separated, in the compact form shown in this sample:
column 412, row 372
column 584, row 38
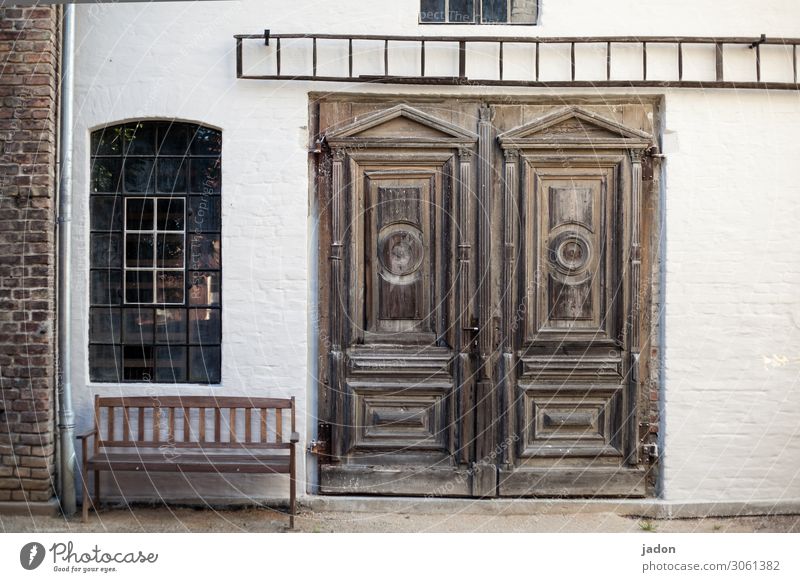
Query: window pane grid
column 161, row 212
column 478, row 11
column 155, row 301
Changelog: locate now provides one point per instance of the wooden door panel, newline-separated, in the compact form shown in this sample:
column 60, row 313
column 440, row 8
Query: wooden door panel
column 591, row 364
column 395, row 429
column 570, row 391
column 395, row 417
column 570, row 421
column 572, row 252
column 398, row 258
column 399, row 388
column 572, row 247
column 400, row 402
column 571, row 412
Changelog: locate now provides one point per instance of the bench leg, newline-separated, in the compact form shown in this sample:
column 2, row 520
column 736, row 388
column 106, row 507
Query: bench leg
column 292, row 508
column 96, row 502
column 85, row 485
column 292, row 488
column 85, row 480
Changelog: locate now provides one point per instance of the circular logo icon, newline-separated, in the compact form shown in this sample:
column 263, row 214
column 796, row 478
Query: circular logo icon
column 31, row 555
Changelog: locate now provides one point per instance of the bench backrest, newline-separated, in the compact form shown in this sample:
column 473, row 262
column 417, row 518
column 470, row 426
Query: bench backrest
column 231, row 422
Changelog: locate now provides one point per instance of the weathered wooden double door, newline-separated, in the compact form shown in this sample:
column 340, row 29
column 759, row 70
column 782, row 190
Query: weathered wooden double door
column 480, row 295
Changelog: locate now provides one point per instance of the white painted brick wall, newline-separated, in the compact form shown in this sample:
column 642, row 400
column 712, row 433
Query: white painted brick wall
column 732, row 321
column 732, row 312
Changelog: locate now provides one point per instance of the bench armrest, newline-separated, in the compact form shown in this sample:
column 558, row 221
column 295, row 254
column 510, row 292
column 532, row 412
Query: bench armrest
column 84, row 439
column 86, row 435
column 295, row 438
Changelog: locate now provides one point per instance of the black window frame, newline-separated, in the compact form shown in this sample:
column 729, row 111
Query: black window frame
column 149, row 341
column 477, row 18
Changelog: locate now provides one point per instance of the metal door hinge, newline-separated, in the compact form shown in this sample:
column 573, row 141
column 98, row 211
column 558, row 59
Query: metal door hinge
column 651, row 450
column 319, row 445
column 316, row 447
column 318, row 147
column 654, row 152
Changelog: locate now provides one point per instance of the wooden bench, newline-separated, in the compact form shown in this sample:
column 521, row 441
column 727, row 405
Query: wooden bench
column 190, row 434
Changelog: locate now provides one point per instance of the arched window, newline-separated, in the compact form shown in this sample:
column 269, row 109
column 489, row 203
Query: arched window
column 155, row 256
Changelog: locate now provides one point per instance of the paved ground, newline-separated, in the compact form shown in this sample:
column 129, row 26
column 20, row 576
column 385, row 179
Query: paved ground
column 183, row 519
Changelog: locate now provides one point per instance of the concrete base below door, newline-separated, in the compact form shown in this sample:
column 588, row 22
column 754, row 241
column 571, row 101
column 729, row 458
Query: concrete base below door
column 576, row 482
column 395, row 480
column 650, row 508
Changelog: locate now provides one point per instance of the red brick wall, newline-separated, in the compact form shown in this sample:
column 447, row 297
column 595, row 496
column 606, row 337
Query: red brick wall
column 28, row 82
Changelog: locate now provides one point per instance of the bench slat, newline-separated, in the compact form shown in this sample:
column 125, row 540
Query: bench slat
column 195, row 402
column 164, row 429
column 111, row 415
column 97, row 423
column 187, row 428
column 193, row 463
column 155, row 457
column 167, row 467
column 198, row 446
column 248, row 433
column 157, row 424
column 126, row 423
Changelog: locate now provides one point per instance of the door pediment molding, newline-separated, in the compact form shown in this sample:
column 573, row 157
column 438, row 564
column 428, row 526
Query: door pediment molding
column 573, row 127
column 401, row 126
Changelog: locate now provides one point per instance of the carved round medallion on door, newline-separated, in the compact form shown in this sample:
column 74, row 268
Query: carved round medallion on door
column 570, row 252
column 400, row 249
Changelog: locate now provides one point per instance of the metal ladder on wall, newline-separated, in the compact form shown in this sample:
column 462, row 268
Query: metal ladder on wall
column 461, row 45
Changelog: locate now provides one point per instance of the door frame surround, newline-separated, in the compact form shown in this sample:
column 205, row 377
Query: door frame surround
column 325, row 170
